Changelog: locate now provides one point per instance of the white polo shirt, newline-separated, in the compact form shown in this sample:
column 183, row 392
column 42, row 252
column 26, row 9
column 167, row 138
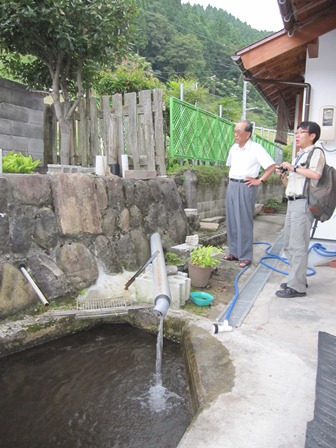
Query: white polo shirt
column 247, row 161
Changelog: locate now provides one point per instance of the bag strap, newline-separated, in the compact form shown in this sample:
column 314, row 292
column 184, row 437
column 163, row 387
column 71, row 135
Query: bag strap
column 314, row 227
column 310, row 155
column 307, row 184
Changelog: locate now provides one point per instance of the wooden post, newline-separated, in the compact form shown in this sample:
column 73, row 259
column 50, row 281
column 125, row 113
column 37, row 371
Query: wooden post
column 158, row 131
column 145, row 99
column 82, row 151
column 116, row 120
column 131, row 136
column 93, row 130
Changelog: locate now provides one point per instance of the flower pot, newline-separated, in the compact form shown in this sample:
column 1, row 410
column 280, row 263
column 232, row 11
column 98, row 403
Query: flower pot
column 269, row 210
column 199, row 277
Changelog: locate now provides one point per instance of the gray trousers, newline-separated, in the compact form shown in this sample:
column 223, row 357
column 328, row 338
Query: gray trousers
column 298, row 224
column 240, row 202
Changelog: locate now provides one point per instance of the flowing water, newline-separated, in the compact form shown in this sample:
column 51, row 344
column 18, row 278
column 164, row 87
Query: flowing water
column 100, row 388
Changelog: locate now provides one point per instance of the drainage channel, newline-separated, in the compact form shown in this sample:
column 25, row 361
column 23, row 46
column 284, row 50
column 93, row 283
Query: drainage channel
column 252, row 288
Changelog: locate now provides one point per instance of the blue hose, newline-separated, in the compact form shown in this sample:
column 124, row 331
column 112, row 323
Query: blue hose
column 316, row 247
column 227, row 314
column 283, row 259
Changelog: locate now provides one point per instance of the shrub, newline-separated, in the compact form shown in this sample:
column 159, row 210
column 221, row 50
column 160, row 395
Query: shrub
column 206, row 256
column 18, row 163
column 272, row 203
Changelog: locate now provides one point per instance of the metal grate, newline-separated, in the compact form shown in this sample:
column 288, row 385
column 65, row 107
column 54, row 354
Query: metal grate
column 106, row 303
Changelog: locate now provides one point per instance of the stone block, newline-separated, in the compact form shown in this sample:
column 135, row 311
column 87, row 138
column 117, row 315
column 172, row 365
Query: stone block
column 217, row 219
column 56, row 169
column 209, row 225
column 183, row 250
column 179, row 285
column 191, row 211
column 140, row 174
column 257, row 209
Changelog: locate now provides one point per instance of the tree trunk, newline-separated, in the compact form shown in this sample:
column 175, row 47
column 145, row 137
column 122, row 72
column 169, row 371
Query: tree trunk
column 65, row 130
column 61, row 110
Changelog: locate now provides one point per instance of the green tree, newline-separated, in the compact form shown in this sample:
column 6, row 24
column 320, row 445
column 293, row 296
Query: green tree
column 154, row 37
column 66, row 41
column 184, row 57
column 132, row 75
column 193, row 92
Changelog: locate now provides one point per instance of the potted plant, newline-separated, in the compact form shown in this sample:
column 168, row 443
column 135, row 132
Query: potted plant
column 271, row 205
column 172, row 259
column 201, row 262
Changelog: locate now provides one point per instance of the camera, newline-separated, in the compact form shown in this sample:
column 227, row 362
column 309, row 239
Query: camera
column 281, row 169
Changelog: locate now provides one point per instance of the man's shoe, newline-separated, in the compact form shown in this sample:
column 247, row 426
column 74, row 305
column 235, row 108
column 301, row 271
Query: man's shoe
column 284, row 285
column 288, row 293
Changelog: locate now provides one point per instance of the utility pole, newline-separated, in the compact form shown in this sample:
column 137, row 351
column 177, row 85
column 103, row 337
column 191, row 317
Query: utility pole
column 245, row 109
column 181, row 92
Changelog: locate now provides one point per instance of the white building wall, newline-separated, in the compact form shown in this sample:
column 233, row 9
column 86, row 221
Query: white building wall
column 321, row 75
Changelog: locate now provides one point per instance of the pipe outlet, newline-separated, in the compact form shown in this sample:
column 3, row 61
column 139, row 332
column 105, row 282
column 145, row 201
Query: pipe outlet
column 161, row 290
column 162, row 304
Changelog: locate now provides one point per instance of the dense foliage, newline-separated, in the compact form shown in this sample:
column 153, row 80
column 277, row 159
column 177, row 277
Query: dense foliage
column 18, row 163
column 71, row 47
column 64, row 41
column 132, row 75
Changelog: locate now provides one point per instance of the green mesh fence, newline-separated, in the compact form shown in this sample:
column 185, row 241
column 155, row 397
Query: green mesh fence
column 199, row 135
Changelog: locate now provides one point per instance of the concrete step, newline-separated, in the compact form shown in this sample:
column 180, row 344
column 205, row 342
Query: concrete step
column 214, row 219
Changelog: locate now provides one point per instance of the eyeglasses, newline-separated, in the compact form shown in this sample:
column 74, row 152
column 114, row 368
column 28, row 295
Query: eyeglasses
column 301, row 132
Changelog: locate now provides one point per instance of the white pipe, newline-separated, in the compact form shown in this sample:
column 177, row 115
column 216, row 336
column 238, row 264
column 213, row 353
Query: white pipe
column 160, row 280
column 33, row 284
column 218, row 328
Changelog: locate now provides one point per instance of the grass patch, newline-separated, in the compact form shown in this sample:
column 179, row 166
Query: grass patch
column 195, row 309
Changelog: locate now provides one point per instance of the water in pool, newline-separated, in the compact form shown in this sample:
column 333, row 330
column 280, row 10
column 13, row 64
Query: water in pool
column 95, row 389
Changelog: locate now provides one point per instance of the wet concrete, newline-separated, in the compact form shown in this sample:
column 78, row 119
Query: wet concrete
column 274, row 354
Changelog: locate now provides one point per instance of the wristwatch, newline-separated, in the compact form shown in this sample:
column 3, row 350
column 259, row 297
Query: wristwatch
column 294, row 169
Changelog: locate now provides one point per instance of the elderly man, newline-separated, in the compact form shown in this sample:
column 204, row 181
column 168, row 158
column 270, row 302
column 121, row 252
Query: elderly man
column 245, row 160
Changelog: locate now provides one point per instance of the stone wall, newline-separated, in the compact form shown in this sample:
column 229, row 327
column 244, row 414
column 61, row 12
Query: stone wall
column 61, row 226
column 21, row 120
column 210, row 201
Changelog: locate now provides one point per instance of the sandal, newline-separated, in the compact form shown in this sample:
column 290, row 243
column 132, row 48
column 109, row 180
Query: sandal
column 244, row 263
column 230, row 257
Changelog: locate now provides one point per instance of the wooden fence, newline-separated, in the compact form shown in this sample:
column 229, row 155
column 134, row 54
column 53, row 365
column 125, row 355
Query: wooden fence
column 130, row 124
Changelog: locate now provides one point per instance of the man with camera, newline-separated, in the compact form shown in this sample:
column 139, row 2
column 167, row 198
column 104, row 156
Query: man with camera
column 299, row 218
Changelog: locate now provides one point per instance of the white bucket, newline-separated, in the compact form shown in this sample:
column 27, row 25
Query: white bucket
column 101, row 165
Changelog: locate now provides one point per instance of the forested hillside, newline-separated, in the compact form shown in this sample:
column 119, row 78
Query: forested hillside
column 68, row 48
column 183, row 40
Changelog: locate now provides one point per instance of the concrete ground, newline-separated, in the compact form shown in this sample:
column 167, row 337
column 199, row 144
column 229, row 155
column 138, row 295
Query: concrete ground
column 274, row 352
